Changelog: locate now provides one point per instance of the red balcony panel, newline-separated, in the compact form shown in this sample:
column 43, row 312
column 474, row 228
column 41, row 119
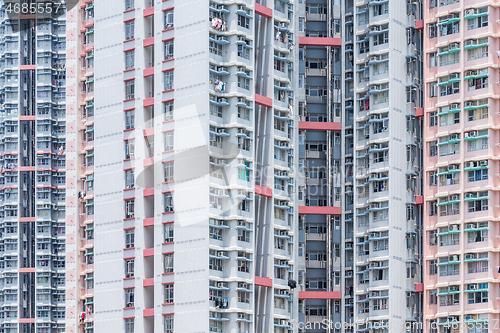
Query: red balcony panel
column 148, row 71
column 148, row 42
column 148, row 11
column 26, row 320
column 148, row 252
column 148, row 222
column 320, row 295
column 320, row 210
column 148, row 192
column 148, row 132
column 148, row 312
column 148, row 102
column 419, row 112
column 149, row 161
column 27, row 219
column 419, row 199
column 319, row 126
column 28, row 67
column 27, row 270
column 263, row 282
column 148, row 282
column 27, row 118
column 419, row 287
column 27, row 168
column 264, row 191
column 263, row 10
column 264, row 101
column 419, row 25
column 320, row 41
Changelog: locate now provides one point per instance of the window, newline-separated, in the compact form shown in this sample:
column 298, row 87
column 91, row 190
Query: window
column 477, row 262
column 432, row 178
column 169, row 171
column 432, row 297
column 301, row 23
column 477, row 109
column 130, row 89
column 479, row 170
column 129, row 59
column 169, row 80
column 243, row 296
column 449, row 235
column 129, row 30
column 168, row 232
column 477, row 201
column 432, row 238
column 129, row 4
column 129, row 119
column 433, row 91
column 129, row 208
column 380, row 39
column 169, row 293
column 169, row 141
column 432, row 60
column 168, row 323
column 216, row 49
column 129, row 325
column 129, row 268
column 168, row 108
column 129, row 238
column 449, row 205
column 449, row 85
column 243, row 52
column 432, row 30
column 243, row 83
column 129, row 178
column 168, row 263
column 449, row 25
column 169, row 19
column 129, row 149
column 433, row 119
column 243, row 21
column 451, row 297
column 129, row 298
column 449, row 266
column 169, row 202
column 432, row 208
column 433, row 148
column 477, row 140
column 477, row 48
column 432, row 267
column 476, row 18
column 477, row 232
column 169, row 49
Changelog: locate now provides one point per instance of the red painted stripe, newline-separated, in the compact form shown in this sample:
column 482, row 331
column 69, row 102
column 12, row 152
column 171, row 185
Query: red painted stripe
column 320, row 41
column 28, row 67
column 148, row 252
column 148, row 41
column 27, row 118
column 320, row 295
column 264, row 101
column 419, row 25
column 27, row 270
column 148, row 11
column 148, row 222
column 263, row 10
column 27, row 219
column 419, row 287
column 27, row 168
column 419, row 199
column 148, row 132
column 319, row 210
column 263, row 282
column 148, row 102
column 263, row 191
column 319, row 126
column 148, row 312
column 147, row 192
column 149, row 161
column 148, row 71
column 26, row 320
column 419, row 112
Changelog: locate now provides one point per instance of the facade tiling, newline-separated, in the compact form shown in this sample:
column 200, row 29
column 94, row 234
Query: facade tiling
column 461, row 166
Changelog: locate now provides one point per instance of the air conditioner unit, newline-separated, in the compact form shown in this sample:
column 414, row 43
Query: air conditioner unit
column 452, row 16
column 350, row 301
column 453, row 288
column 221, row 284
column 222, row 7
column 454, row 197
column 221, row 254
column 373, row 176
column 453, row 227
column 472, row 133
column 469, row 164
column 283, row 24
column 348, row 104
column 221, row 161
column 454, row 106
column 472, row 286
column 221, row 38
column 468, row 103
column 469, row 73
column 222, row 69
column 470, row 42
column 373, row 235
column 470, row 256
column 241, row 39
column 374, row 116
column 222, row 100
column 241, row 7
column 469, row 195
column 374, row 146
column 373, row 58
column 483, row 163
column 455, row 257
column 454, row 46
column 348, row 47
column 374, row 28
column 454, row 76
column 454, row 136
column 470, row 226
column 470, row 12
column 452, row 167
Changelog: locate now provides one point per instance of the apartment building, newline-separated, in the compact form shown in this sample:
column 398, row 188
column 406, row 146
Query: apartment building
column 461, row 166
column 37, row 171
column 195, row 156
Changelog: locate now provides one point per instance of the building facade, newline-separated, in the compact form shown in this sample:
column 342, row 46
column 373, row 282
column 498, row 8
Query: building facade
column 195, row 155
column 461, row 153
